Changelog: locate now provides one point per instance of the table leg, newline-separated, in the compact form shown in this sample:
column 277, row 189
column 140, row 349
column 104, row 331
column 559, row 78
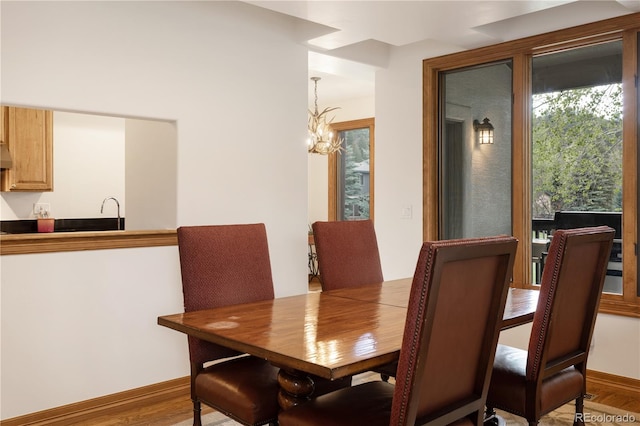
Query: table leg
column 295, row 388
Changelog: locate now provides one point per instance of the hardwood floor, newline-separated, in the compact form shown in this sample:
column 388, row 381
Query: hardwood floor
column 619, row 398
column 165, row 413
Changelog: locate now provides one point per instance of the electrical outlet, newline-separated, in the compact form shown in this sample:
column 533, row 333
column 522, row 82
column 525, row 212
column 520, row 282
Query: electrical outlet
column 42, row 209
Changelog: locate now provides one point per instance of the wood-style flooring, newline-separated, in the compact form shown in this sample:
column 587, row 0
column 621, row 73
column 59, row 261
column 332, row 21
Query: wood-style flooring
column 165, row 413
column 620, row 398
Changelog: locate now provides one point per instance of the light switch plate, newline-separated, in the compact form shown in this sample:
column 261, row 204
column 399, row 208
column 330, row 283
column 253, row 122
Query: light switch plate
column 406, row 212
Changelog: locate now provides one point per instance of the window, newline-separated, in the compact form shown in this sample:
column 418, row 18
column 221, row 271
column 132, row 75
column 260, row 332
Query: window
column 576, row 122
column 476, row 178
column 573, row 144
column 351, row 172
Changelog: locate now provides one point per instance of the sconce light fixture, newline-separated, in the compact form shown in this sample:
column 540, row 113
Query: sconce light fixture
column 321, row 138
column 484, row 131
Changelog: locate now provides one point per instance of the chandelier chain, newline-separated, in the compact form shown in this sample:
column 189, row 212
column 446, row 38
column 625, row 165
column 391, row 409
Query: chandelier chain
column 315, row 91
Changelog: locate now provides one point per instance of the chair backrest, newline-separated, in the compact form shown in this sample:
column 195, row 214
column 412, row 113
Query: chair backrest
column 222, row 265
column 569, row 297
column 347, row 253
column 455, row 311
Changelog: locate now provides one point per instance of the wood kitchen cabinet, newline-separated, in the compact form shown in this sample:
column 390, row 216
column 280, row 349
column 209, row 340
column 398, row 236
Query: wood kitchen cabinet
column 28, row 134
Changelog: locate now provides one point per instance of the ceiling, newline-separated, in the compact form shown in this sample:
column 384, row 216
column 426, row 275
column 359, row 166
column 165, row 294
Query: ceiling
column 349, row 40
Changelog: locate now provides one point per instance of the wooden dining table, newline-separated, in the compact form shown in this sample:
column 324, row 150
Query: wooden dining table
column 330, row 334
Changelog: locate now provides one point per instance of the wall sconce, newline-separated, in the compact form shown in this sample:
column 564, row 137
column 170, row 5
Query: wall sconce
column 484, row 131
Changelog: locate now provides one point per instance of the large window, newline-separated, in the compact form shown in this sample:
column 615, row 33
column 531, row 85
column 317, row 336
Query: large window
column 576, row 122
column 573, row 146
column 351, row 172
column 476, row 177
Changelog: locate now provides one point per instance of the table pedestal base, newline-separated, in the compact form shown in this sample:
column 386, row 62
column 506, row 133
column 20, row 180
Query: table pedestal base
column 295, row 388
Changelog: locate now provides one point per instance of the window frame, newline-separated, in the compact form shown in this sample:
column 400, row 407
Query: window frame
column 333, row 164
column 625, row 28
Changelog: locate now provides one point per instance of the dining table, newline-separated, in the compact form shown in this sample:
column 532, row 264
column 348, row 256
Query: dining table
column 330, row 334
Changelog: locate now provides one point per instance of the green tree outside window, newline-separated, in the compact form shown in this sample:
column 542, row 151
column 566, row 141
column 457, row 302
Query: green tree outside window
column 577, row 150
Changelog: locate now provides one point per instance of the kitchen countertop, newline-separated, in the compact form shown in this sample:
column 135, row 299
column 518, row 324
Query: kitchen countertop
column 52, row 242
column 30, row 226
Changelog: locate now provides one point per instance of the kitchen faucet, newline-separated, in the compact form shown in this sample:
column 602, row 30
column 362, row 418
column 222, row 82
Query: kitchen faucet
column 117, row 204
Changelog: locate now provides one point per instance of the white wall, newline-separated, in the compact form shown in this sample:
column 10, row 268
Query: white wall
column 318, row 191
column 615, row 345
column 151, row 171
column 81, row 325
column 398, row 173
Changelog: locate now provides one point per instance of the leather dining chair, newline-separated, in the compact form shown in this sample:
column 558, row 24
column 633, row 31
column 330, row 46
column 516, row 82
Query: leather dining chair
column 531, row 383
column 456, row 304
column 224, row 265
column 347, row 253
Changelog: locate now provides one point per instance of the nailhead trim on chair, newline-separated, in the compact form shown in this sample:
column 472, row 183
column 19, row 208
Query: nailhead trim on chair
column 416, row 334
column 547, row 309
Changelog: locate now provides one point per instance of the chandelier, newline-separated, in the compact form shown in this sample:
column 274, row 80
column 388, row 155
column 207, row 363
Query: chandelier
column 321, row 138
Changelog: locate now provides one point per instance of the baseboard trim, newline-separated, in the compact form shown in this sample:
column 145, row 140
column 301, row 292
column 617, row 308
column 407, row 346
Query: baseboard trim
column 612, row 382
column 106, row 405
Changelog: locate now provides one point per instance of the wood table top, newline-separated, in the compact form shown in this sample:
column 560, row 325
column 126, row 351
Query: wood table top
column 519, row 308
column 330, row 334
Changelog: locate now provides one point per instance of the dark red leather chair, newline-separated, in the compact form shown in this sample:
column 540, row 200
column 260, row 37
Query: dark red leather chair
column 453, row 320
column 552, row 372
column 225, row 265
column 347, row 253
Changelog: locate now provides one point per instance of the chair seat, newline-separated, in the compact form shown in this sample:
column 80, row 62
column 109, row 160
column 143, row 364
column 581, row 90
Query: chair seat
column 507, row 389
column 366, row 404
column 244, row 389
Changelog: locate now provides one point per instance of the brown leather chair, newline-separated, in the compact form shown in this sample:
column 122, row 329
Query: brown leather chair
column 225, row 265
column 552, row 372
column 453, row 320
column 347, row 253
